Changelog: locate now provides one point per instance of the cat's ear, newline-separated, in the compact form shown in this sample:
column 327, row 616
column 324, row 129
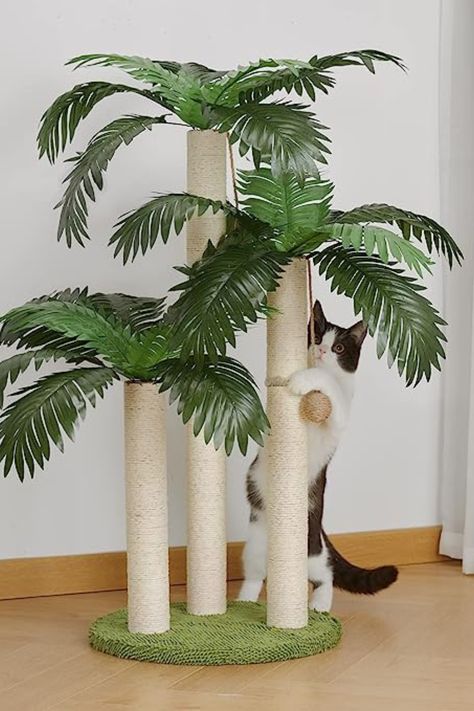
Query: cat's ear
column 319, row 317
column 358, row 331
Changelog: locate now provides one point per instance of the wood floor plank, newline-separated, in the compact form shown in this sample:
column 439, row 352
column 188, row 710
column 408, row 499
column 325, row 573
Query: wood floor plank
column 410, row 648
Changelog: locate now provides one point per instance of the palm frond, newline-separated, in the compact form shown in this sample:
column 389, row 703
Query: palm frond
column 154, row 347
column 140, row 68
column 294, row 211
column 139, row 229
column 41, row 337
column 44, row 413
column 107, row 337
column 204, row 75
column 88, row 170
column 224, row 292
column 11, row 368
column 361, row 58
column 391, row 303
column 126, row 332
column 59, row 123
column 222, row 397
column 260, row 79
column 139, row 313
column 176, row 86
column 383, row 242
column 422, row 228
column 283, row 134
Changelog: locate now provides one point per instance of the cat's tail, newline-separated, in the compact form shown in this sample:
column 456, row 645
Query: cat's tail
column 359, row 580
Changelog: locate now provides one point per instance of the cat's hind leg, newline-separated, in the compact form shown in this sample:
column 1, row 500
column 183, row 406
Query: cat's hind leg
column 321, row 575
column 254, row 558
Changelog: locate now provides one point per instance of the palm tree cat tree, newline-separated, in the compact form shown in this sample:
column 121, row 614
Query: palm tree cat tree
column 284, row 217
column 107, row 338
column 212, row 103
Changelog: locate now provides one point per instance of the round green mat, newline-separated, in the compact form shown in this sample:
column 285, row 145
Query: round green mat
column 238, row 637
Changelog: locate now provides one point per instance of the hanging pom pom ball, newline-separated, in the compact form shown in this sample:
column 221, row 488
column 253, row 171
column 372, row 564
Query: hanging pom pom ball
column 315, row 407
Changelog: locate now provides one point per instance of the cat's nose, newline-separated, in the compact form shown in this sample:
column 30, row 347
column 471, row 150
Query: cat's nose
column 323, row 350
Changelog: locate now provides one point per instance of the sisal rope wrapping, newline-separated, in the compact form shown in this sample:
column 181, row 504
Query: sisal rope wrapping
column 315, row 407
column 147, row 509
column 206, row 177
column 207, row 549
column 206, row 552
column 286, row 451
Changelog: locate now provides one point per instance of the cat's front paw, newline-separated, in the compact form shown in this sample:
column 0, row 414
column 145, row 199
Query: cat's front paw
column 303, row 381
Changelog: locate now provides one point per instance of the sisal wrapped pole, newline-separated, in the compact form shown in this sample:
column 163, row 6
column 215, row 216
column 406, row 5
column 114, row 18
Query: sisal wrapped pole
column 206, row 550
column 147, row 509
column 287, row 465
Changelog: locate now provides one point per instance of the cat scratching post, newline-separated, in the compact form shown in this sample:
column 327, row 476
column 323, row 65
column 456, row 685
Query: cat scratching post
column 239, row 636
column 287, row 485
column 206, row 552
column 147, row 509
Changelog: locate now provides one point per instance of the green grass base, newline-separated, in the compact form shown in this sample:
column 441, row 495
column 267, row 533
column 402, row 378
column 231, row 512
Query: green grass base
column 240, row 636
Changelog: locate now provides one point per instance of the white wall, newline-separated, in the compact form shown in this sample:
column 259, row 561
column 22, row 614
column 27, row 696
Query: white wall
column 385, row 149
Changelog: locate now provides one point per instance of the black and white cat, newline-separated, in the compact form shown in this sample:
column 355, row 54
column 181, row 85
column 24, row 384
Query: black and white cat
column 337, row 357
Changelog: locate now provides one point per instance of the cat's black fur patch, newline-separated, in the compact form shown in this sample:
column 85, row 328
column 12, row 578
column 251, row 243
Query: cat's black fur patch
column 315, row 513
column 253, row 495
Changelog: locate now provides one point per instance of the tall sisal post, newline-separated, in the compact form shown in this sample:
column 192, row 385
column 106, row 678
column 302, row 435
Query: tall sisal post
column 147, row 509
column 206, row 550
column 286, row 452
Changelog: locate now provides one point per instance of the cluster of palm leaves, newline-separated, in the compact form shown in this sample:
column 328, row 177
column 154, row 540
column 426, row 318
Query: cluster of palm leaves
column 375, row 254
column 284, row 209
column 282, row 133
column 104, row 338
column 364, row 253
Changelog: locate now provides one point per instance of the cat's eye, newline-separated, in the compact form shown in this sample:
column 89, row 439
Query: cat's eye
column 339, row 348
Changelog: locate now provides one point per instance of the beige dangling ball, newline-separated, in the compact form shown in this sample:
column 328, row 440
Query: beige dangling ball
column 315, row 407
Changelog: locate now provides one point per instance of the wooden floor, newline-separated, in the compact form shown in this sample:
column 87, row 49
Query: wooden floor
column 410, row 648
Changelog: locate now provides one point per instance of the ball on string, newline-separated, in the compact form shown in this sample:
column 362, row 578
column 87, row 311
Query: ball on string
column 315, row 407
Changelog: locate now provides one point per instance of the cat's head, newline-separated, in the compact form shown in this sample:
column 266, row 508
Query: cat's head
column 336, row 347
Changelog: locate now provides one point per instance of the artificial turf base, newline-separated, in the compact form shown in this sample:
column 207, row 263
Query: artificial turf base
column 240, row 636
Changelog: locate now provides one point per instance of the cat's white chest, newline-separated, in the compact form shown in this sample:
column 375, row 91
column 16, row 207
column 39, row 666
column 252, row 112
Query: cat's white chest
column 322, row 443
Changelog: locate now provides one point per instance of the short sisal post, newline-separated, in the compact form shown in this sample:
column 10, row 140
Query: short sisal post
column 206, row 550
column 147, row 509
column 286, row 452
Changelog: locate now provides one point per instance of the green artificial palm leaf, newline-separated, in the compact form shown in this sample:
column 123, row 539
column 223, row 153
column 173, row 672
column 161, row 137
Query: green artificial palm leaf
column 12, row 368
column 294, row 211
column 139, row 229
column 108, row 337
column 138, row 312
column 176, row 86
column 361, row 58
column 224, row 292
column 222, row 397
column 88, row 170
column 41, row 337
column 282, row 134
column 202, row 74
column 160, row 74
column 373, row 239
column 422, row 228
column 391, row 303
column 259, row 80
column 44, row 413
column 60, row 121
